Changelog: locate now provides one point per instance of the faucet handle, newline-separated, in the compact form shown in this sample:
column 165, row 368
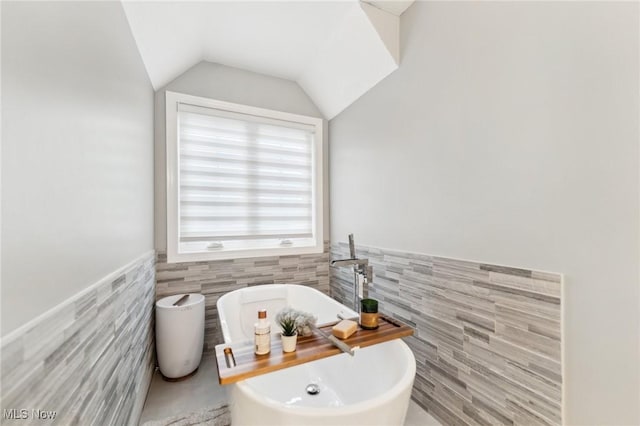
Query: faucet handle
column 352, row 247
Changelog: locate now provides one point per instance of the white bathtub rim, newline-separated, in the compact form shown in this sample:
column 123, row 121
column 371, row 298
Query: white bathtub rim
column 406, row 381
column 222, row 300
column 224, row 327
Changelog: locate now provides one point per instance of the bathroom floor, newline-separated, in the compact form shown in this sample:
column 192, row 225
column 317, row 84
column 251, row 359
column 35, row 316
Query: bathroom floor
column 195, row 399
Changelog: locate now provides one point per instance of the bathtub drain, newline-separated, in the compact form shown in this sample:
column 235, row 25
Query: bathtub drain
column 313, row 389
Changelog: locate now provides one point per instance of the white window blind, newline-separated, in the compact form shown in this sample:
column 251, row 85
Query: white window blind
column 243, row 180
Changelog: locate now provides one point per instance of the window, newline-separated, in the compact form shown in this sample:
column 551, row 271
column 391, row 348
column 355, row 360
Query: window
column 241, row 181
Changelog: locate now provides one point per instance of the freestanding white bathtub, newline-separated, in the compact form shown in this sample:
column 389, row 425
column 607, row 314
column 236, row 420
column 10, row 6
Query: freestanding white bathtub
column 371, row 388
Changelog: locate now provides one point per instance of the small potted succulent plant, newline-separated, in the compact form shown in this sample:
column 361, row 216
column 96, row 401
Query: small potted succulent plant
column 294, row 323
column 289, row 324
column 289, row 332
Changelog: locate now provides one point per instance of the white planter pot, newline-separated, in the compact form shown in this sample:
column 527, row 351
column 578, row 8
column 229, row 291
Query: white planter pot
column 289, row 343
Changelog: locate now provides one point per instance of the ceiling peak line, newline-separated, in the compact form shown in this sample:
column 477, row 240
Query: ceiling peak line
column 336, row 51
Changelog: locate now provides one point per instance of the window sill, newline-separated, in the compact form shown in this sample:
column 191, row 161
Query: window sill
column 212, row 256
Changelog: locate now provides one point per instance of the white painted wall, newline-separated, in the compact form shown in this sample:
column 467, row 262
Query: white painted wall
column 228, row 84
column 77, row 152
column 359, row 52
column 510, row 135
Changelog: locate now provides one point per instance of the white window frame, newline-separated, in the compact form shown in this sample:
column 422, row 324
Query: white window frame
column 173, row 205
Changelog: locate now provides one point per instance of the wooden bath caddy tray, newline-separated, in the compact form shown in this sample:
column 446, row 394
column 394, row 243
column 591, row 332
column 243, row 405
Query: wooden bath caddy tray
column 309, row 348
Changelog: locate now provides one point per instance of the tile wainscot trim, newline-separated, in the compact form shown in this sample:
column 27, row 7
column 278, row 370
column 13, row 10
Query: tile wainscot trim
column 90, row 360
column 488, row 339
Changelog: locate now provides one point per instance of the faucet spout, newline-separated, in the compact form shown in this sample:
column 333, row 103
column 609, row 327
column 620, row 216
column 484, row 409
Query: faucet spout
column 350, row 262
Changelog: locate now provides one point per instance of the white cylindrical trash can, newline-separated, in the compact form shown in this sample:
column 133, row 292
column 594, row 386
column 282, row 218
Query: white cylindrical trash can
column 179, row 334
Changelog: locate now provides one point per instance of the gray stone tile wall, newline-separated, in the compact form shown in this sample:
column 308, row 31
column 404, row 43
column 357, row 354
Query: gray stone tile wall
column 91, row 360
column 487, row 338
column 215, row 278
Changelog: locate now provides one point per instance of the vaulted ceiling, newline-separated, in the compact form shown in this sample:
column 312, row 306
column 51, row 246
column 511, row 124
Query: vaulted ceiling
column 335, row 50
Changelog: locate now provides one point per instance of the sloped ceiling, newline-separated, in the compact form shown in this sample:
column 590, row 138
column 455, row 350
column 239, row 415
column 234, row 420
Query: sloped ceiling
column 335, row 50
column 395, row 7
